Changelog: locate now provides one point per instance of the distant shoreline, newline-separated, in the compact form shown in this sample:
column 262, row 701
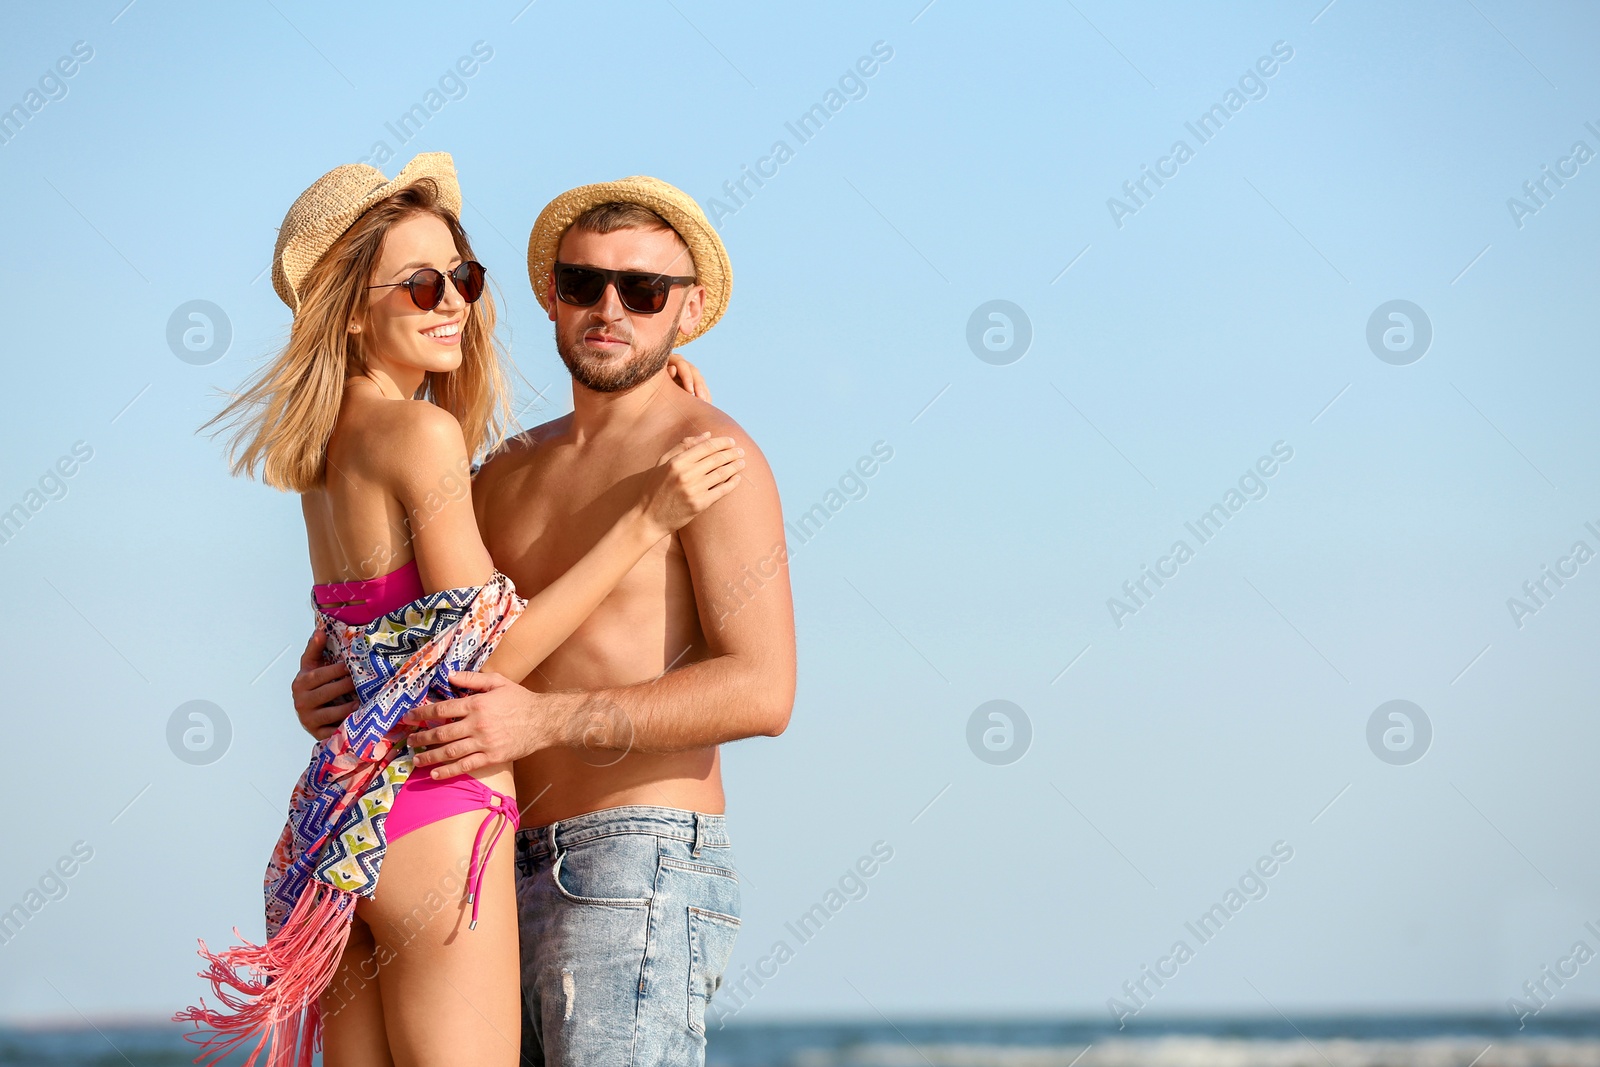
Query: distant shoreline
column 1348, row 1039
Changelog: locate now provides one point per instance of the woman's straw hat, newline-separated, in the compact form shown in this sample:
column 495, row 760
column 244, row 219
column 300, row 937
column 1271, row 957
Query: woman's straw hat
column 711, row 266
column 332, row 205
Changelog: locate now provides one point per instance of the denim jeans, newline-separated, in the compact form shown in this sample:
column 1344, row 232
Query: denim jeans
column 628, row 917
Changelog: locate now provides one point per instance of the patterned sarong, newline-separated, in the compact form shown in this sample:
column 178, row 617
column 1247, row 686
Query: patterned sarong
column 333, row 845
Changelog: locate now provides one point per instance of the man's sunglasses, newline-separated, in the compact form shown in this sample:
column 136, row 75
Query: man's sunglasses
column 639, row 291
column 427, row 285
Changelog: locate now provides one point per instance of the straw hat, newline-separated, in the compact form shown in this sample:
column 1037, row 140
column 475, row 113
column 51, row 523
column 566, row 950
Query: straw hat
column 334, row 202
column 711, row 266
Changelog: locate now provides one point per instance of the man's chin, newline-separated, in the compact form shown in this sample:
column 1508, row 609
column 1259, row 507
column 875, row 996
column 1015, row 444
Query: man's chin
column 609, row 372
column 609, row 356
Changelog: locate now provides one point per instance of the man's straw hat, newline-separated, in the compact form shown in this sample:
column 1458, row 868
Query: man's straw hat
column 711, row 266
column 334, row 202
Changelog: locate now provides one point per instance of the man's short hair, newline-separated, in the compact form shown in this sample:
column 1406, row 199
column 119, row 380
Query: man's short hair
column 623, row 215
column 619, row 215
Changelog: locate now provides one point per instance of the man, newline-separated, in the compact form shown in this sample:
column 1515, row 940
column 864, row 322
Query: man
column 627, row 890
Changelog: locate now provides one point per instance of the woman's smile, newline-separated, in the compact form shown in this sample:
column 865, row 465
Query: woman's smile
column 446, row 333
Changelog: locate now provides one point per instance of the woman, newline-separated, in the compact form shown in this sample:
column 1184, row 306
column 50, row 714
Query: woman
column 389, row 307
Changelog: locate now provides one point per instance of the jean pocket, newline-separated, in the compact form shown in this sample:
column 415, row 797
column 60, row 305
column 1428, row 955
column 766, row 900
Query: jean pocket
column 711, row 937
column 619, row 871
column 722, row 870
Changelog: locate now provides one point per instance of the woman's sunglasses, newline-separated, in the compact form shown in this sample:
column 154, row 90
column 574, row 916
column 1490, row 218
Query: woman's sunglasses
column 427, row 285
column 639, row 291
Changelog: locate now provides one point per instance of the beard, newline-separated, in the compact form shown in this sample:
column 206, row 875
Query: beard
column 606, row 374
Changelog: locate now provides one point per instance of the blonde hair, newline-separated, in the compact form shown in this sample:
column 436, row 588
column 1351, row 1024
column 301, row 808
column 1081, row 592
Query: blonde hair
column 281, row 422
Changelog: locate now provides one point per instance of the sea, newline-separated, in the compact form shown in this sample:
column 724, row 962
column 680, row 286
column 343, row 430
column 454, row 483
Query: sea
column 1392, row 1040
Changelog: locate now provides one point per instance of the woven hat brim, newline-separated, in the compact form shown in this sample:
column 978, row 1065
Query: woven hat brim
column 333, row 203
column 683, row 214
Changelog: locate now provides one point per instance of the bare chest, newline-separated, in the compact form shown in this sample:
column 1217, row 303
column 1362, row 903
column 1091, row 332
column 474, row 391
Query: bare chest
column 546, row 520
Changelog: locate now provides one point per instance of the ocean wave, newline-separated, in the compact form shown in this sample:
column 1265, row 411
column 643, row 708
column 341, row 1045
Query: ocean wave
column 1218, row 1052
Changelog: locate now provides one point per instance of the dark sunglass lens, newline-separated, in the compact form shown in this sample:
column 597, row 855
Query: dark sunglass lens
column 427, row 288
column 578, row 286
column 469, row 280
column 643, row 293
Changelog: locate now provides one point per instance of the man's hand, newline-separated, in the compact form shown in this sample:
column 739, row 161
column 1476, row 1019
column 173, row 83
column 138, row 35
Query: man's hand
column 317, row 689
column 500, row 722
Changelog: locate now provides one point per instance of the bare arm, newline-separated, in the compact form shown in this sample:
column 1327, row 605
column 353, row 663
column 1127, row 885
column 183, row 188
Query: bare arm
column 450, row 552
column 688, row 480
column 744, row 688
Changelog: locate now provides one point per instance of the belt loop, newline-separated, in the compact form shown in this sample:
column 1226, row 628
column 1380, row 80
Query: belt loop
column 550, row 832
column 699, row 834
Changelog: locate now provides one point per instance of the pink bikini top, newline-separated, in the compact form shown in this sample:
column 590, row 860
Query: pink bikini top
column 358, row 603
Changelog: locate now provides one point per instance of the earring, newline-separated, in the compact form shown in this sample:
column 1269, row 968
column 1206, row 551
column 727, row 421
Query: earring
column 354, row 327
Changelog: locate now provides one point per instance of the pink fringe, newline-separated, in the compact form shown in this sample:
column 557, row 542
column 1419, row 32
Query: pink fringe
column 276, row 995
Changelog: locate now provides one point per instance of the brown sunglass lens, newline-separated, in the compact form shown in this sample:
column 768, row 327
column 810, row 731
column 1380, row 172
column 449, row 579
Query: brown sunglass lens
column 642, row 292
column 427, row 288
column 469, row 278
column 578, row 286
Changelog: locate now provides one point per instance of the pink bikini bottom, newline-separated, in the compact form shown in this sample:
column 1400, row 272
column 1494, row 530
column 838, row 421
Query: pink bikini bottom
column 422, row 800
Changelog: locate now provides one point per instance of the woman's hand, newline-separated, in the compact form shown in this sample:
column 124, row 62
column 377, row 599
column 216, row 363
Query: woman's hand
column 688, row 479
column 688, row 375
column 317, row 689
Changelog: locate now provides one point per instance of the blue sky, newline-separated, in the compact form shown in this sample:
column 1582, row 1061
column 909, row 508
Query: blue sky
column 1175, row 341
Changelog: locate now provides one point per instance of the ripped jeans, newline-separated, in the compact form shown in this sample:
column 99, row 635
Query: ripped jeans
column 628, row 917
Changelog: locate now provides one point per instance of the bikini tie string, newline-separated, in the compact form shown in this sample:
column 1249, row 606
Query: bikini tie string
column 502, row 812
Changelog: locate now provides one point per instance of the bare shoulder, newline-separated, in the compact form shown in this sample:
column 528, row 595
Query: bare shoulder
column 694, row 416
column 422, row 416
column 376, row 419
column 400, row 441
column 516, row 454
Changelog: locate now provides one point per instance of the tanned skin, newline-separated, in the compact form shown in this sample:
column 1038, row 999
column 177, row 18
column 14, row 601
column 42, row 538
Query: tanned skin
column 694, row 647
column 403, row 995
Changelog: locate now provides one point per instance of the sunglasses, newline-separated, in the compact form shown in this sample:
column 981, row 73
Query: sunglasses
column 426, row 286
column 639, row 291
